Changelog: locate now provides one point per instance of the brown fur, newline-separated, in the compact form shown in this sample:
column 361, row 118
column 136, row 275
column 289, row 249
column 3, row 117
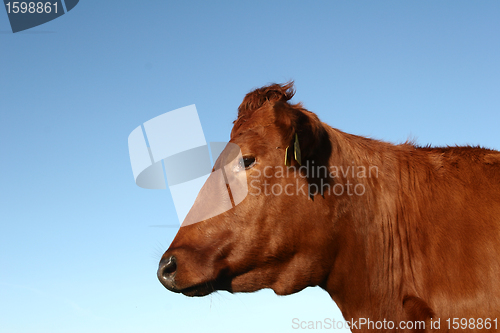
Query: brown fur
column 422, row 242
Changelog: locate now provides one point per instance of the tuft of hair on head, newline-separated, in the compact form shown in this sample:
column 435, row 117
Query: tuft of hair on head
column 271, row 93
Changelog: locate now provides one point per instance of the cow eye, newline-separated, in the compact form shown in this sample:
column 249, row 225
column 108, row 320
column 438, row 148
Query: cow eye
column 248, row 162
column 244, row 163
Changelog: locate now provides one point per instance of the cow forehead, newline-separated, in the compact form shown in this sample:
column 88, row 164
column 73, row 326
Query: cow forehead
column 260, row 125
column 257, row 139
column 262, row 116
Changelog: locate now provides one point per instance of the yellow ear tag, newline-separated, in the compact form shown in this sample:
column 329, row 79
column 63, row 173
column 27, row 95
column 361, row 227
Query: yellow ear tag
column 296, row 148
column 287, row 163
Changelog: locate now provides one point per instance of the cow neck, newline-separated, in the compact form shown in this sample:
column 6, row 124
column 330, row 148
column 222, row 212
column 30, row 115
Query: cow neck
column 370, row 270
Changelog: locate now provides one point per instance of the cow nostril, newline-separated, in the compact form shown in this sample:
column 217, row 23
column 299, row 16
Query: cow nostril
column 166, row 273
column 167, row 267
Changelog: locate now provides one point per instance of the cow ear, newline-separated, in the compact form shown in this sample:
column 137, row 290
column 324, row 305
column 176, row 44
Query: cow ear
column 301, row 130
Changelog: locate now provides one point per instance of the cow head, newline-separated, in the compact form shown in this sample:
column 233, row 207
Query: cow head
column 278, row 236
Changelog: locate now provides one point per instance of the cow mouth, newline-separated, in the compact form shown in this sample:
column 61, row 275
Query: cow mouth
column 198, row 290
column 201, row 289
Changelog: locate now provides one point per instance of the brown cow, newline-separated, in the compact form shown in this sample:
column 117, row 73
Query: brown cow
column 394, row 233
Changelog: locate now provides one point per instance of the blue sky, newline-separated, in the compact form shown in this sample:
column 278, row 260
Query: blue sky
column 77, row 253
